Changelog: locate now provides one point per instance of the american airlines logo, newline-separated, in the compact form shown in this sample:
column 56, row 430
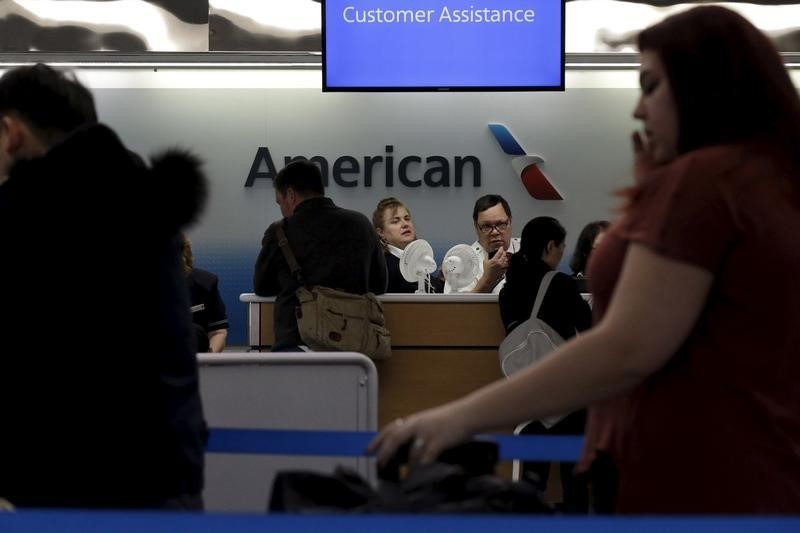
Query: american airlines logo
column 525, row 165
column 381, row 169
column 388, row 169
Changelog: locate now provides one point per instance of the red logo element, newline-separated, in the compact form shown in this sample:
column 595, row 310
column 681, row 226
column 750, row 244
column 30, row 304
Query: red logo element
column 538, row 185
column 534, row 180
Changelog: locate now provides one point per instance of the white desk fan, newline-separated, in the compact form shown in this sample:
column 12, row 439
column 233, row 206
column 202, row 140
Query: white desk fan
column 417, row 264
column 460, row 266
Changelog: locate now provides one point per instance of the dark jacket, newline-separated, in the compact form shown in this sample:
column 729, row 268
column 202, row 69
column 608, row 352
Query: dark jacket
column 335, row 247
column 208, row 309
column 563, row 308
column 98, row 380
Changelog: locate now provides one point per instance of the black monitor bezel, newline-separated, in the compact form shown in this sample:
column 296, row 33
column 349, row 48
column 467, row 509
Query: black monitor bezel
column 438, row 88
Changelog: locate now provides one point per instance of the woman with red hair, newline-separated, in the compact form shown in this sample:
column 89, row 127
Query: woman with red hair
column 692, row 366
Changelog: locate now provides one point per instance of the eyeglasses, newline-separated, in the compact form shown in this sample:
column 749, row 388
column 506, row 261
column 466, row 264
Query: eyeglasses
column 488, row 227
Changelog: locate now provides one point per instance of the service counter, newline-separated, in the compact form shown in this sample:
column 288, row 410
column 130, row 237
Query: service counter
column 443, row 346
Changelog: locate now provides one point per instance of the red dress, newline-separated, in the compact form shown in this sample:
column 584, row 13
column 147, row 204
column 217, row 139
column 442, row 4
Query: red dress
column 717, row 429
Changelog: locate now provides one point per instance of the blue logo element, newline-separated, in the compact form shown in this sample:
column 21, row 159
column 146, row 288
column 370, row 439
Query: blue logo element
column 507, row 141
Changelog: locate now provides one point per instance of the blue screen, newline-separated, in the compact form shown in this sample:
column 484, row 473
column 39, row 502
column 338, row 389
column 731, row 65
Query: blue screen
column 443, row 44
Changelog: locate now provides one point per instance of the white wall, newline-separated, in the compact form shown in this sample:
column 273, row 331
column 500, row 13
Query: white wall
column 225, row 115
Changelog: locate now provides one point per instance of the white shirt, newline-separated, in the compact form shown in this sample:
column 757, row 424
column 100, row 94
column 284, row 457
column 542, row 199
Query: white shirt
column 513, row 246
column 394, row 250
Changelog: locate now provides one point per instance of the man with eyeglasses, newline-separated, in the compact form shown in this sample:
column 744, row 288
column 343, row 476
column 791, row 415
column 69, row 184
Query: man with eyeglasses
column 492, row 218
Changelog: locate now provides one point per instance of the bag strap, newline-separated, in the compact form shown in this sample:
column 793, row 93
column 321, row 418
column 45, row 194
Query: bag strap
column 291, row 260
column 543, row 286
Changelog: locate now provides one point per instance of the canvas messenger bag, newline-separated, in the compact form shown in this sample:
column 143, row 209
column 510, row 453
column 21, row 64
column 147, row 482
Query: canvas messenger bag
column 334, row 320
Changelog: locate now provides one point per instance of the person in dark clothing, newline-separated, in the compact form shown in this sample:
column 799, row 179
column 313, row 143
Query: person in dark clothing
column 100, row 396
column 335, row 247
column 542, row 247
column 589, row 238
column 208, row 310
column 392, row 221
column 541, row 250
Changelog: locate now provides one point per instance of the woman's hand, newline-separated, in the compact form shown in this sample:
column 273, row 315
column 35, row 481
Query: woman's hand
column 643, row 163
column 430, row 432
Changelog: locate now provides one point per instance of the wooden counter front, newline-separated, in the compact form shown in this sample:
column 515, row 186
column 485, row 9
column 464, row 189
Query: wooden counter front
column 445, row 324
column 415, row 379
column 443, row 346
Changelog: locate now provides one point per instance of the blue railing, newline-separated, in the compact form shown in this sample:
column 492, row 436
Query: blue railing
column 354, row 444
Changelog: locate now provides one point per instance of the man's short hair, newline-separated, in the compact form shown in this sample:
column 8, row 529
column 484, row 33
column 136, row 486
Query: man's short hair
column 487, row 202
column 48, row 100
column 302, row 176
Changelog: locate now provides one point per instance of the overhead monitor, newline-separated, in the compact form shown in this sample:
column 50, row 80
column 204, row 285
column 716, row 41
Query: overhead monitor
column 443, row 45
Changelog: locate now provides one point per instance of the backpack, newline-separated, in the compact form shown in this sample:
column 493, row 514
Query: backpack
column 531, row 341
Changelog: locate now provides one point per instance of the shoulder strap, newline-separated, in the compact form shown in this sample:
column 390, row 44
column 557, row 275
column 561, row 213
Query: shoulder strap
column 543, row 286
column 283, row 243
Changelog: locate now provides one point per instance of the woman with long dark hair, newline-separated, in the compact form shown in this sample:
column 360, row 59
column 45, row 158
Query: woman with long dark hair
column 563, row 309
column 692, row 366
column 589, row 238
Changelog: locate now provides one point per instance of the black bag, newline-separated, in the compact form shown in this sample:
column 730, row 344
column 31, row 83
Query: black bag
column 462, row 480
column 311, row 492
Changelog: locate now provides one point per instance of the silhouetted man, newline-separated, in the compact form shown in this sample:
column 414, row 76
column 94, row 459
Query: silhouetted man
column 98, row 377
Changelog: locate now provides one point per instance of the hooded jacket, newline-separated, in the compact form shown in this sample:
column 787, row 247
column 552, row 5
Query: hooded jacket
column 98, row 375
